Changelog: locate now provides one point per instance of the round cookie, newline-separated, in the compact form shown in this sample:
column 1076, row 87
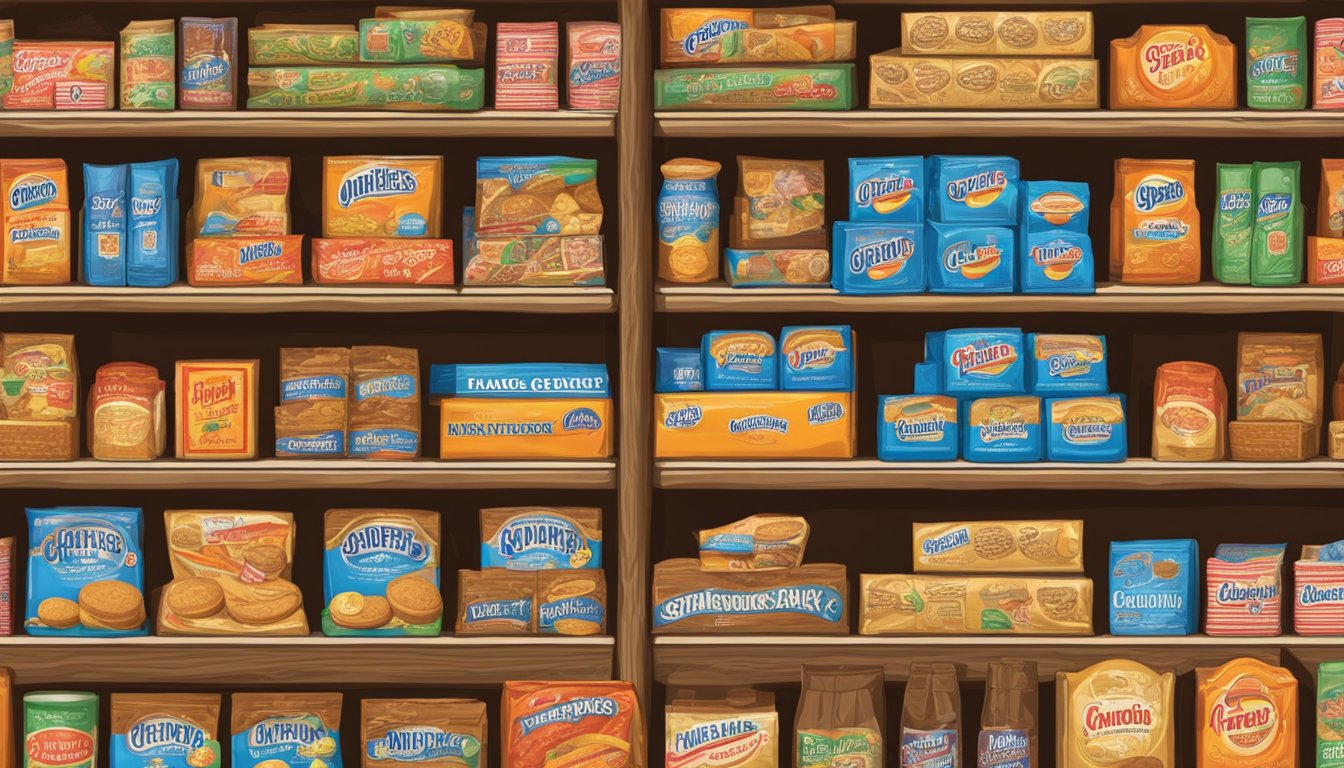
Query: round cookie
column 112, row 604
column 58, row 613
column 268, row 559
column 355, row 611
column 266, row 604
column 993, row 542
column 414, row 599
column 195, row 597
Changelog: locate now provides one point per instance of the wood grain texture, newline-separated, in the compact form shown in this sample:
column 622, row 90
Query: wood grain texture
column 1205, row 298
column 1134, row 474
column 305, row 124
column 996, row 124
column 240, row 661
column 293, row 473
column 306, row 298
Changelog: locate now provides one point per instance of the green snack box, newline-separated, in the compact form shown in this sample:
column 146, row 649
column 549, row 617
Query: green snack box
column 280, row 45
column 413, row 89
column 414, row 41
column 1330, row 715
column 148, row 52
column 1233, row 224
column 819, row 87
column 1276, row 240
column 60, row 728
column 1276, row 63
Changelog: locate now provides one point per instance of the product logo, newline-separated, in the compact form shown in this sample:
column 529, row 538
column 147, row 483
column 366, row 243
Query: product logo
column 373, row 545
column 538, row 532
column 588, row 72
column 973, row 260
column 824, row 413
column 1234, row 201
column 881, row 259
column 422, row 743
column 1273, row 206
column 32, row 190
column 165, row 735
column 1057, row 258
column 814, row 352
column 102, row 203
column 1087, row 430
column 759, row 423
column 1173, row 58
column 884, row 194
column 275, row 731
column 1253, row 595
column 83, row 545
column 1310, row 594
column 28, row 62
column 1067, row 364
column 810, row 599
column 36, row 233
column 1156, row 192
column 146, row 206
column 581, row 420
column 721, row 742
column 1117, row 715
column 202, row 70
column 978, row 190
column 921, row 429
column 710, row 32
column 989, row 360
column 1283, row 63
column 1245, row 716
column 683, row 418
column 374, row 181
column 212, row 391
column 570, row 712
column 267, row 249
column 956, row 539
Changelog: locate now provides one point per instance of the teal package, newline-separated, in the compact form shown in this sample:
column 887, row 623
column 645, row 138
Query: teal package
column 151, row 259
column 518, row 171
column 291, row 737
column 966, row 258
column 1002, row 429
column 1058, row 262
column 816, row 358
column 1154, row 587
column 71, row 547
column 1055, row 205
column 679, row 370
column 104, row 241
column 887, row 189
column 917, row 428
column 370, row 550
column 874, row 258
column 541, row 538
column 520, row 380
column 163, row 740
column 740, row 361
column 978, row 361
column 1067, row 364
column 1087, row 429
column 969, row 189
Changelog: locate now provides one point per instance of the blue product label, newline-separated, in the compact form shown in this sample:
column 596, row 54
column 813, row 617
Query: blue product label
column 680, row 370
column 688, row 208
column 929, row 749
column 104, row 247
column 541, row 541
column 326, row 387
column 807, row 599
column 398, row 385
column 576, row 608
column 685, row 417
column 402, row 442
column 70, row 547
column 293, row 740
column 1057, row 262
column 1153, row 587
column 878, row 258
column 889, row 189
column 971, row 259
column 522, row 380
column 817, row 358
column 165, row 741
column 1055, row 206
column 1003, row 748
column 425, row 743
column 368, row 554
column 570, row 712
column 330, row 443
column 983, row 361
column 581, row 420
column 740, row 360
column 205, row 72
column 973, row 190
column 512, row 613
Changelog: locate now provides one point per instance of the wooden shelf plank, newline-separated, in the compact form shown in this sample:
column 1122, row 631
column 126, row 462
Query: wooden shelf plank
column 298, row 473
column 304, row 660
column 1134, row 474
column 306, row 298
column 995, row 124
column 1205, row 298
column 766, row 659
column 306, row 124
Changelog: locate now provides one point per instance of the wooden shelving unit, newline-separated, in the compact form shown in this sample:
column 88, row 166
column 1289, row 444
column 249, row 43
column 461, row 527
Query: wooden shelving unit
column 306, row 124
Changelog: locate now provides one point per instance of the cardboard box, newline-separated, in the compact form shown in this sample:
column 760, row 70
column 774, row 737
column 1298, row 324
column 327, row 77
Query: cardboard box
column 903, row 80
column 1007, row 33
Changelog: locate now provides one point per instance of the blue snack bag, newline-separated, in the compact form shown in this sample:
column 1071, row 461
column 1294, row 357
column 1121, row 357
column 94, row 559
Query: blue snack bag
column 878, row 258
column 887, row 189
column 978, row 361
column 968, row 189
column 1055, row 205
column 86, row 574
column 1056, row 261
column 1154, row 587
column 740, row 360
column 1002, row 429
column 971, row 258
column 1066, row 364
column 287, row 730
column 151, row 259
column 679, row 370
column 163, row 730
column 816, row 358
column 1090, row 428
column 392, row 554
column 104, row 224
column 917, row 428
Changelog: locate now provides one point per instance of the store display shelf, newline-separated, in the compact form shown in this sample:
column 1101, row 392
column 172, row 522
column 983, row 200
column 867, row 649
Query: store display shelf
column 1205, row 298
column 306, row 298
column 311, row 660
column 1134, row 474
column 766, row 659
column 305, row 124
column 996, row 123
column 299, row 473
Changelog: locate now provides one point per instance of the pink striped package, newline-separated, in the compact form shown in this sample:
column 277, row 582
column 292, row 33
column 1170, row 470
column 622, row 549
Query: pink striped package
column 1245, row 589
column 594, row 64
column 1318, row 586
column 527, row 57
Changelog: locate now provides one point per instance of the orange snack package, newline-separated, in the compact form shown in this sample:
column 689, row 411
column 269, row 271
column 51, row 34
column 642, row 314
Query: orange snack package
column 570, row 725
column 237, row 196
column 1247, row 716
column 1189, row 413
column 1330, row 204
column 1325, row 260
column 63, row 75
column 382, row 261
column 246, row 260
column 127, row 413
column 1155, row 223
column 1173, row 67
column 216, row 409
column 378, row 196
column 35, row 222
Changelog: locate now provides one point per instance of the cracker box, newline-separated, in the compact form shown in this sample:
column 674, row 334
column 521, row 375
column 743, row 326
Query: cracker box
column 246, row 261
column 1066, row 364
column 1007, row 33
column 917, row 428
column 381, row 573
column 978, row 361
column 740, row 360
column 814, row 87
column 63, row 75
column 777, row 268
column 1325, row 260
column 816, row 358
column 520, row 380
column 375, row 196
column 1155, row 223
column 905, row 80
column 1173, row 67
column 951, row 604
column 1056, row 262
column 1090, row 428
column 971, row 258
column 404, row 88
column 521, row 428
column 679, row 370
column 1154, row 587
column 1318, row 589
column 999, row 546
column 425, row 731
column 216, row 416
column 814, row 425
column 1055, row 205
column 1280, row 377
column 878, row 258
column 385, row 401
column 809, row 599
column 382, row 261
column 968, row 189
column 887, row 189
column 172, row 730
column 1003, row 429
column 757, row 543
column 85, row 572
column 541, row 538
column 1245, row 590
column 695, row 35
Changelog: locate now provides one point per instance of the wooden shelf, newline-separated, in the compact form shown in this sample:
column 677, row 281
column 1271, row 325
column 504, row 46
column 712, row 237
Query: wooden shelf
column 1134, row 474
column 306, row 298
column 765, row 659
column 305, row 124
column 299, row 473
column 1205, row 298
column 996, row 124
column 315, row 659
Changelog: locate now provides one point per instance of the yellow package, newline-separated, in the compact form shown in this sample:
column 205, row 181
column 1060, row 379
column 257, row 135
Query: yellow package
column 241, row 196
column 491, row 428
column 1115, row 713
column 35, row 220
column 773, row 425
column 380, row 196
column 951, row 604
column 696, row 35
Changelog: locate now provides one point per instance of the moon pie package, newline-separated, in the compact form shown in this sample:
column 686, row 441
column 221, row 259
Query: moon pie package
column 999, row 546
column 679, row 370
column 168, row 730
column 971, row 258
column 816, row 358
column 541, row 538
column 86, row 573
column 381, row 572
column 1088, row 428
column 1154, row 587
column 1002, row 429
column 432, row 733
column 757, row 543
column 740, row 360
column 286, row 730
column 1067, row 364
column 978, row 361
column 1056, row 262
column 555, row 724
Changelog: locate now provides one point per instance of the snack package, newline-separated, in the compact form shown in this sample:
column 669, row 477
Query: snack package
column 1067, row 364
column 527, row 64
column 313, row 415
column 598, row 722
column 209, row 63
column 1010, row 33
column 281, row 45
column 379, row 196
column 696, row 35
column 1318, row 581
column 756, row 543
column 152, row 256
column 816, row 358
column 571, row 603
column 679, row 370
column 1325, row 260
column 428, row 732
column 216, row 409
column 241, row 196
column 40, row 378
column 900, row 604
column 1276, row 63
column 1245, row 586
column 1113, row 712
column 931, row 715
column 887, row 189
column 127, row 413
column 702, row 724
column 1007, row 546
column 286, row 730
column 1010, row 719
column 541, row 538
column 1330, row 203
column 594, row 64
column 1154, row 587
column 688, row 221
column 1052, row 206
column 535, row 260
column 1089, row 428
column 917, row 428
column 174, row 730
column 246, row 260
column 400, row 88
column 1247, row 715
column 1233, row 225
column 1058, row 262
column 754, row 425
column 808, row 599
column 1173, row 67
column 62, row 75
column 496, row 601
column 1189, row 413
column 381, row 573
column 1003, row 429
column 524, row 428
column 231, row 575
column 1276, row 238
column 35, row 219
column 1329, row 70
column 1155, row 223
column 804, row 268
column 971, row 258
column 385, row 404
column 104, row 244
column 383, row 261
column 416, row 41
column 60, row 728
column 781, row 204
column 875, row 258
column 904, row 79
column 841, row 717
column 978, row 361
column 537, row 196
column 740, row 360
column 86, row 575
column 1330, row 714
column 546, row 381
column 825, row 87
column 1280, row 377
column 148, row 54
column 969, row 189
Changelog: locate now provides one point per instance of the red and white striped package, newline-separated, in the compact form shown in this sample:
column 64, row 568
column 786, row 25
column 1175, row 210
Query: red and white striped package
column 1245, row 590
column 1318, row 587
column 74, row 94
column 594, row 64
column 527, row 57
column 7, row 585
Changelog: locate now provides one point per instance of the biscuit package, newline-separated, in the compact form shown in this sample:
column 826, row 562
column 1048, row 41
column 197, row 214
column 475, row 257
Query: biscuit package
column 62, row 75
column 272, row 45
column 808, row 599
column 173, row 730
column 1010, row 33
column 381, row 572
column 527, row 65
column 1189, row 413
column 127, row 413
column 594, row 60
column 385, row 404
column 680, row 370
column 245, row 260
column 917, row 428
column 1115, row 712
column 1155, row 223
column 148, row 54
column 1280, row 377
column 312, row 417
column 1154, row 587
column 216, row 411
column 590, row 723
column 1318, row 582
column 757, row 543
column 1056, row 262
column 496, row 601
column 86, row 574
column 35, row 220
column 382, row 196
column 507, row 381
column 286, row 730
column 1277, row 232
column 740, row 360
column 231, row 575
column 417, row 40
column 887, row 189
column 840, row 718
column 688, row 221
column 899, row 604
column 547, row 195
column 383, row 261
column 978, row 361
column 1000, row 546
column 812, row 87
column 1089, row 428
column 754, row 425
column 1003, row 429
column 964, row 258
column 1173, row 67
column 1245, row 590
column 60, row 728
column 541, row 538
column 209, row 63
column 1052, row 206
column 780, row 204
column 435, row 733
column 969, row 189
column 1067, row 364
column 905, row 79
column 571, row 602
column 40, row 377
column 696, row 35
column 241, row 196
column 1276, row 63
column 1247, row 711
column 731, row 728
column 535, row 260
column 400, row 88
column 1330, row 714
column 816, row 358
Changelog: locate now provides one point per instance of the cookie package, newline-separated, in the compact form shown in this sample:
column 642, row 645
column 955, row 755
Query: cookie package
column 756, row 543
column 1154, row 587
column 1115, row 712
column 427, row 732
column 86, row 573
column 999, row 546
column 541, row 538
column 286, row 730
column 381, row 572
column 1008, row 33
column 589, row 723
column 808, row 599
column 167, row 730
column 898, row 604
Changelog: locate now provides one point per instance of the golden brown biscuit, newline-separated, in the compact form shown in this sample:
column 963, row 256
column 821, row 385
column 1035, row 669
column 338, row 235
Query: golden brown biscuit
column 414, row 599
column 112, row 604
column 355, row 611
column 929, row 31
column 264, row 604
column 195, row 597
column 58, row 613
column 576, row 627
column 992, row 543
column 268, row 559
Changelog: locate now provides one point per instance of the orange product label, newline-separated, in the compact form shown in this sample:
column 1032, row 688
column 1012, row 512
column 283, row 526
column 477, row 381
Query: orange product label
column 1189, row 413
column 1173, row 66
column 570, row 724
column 382, row 261
column 814, row 425
column 379, row 196
column 1325, row 260
column 1155, row 223
column 41, row 68
column 241, row 196
column 216, row 409
column 246, row 260
column 1247, row 714
column 489, row 428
